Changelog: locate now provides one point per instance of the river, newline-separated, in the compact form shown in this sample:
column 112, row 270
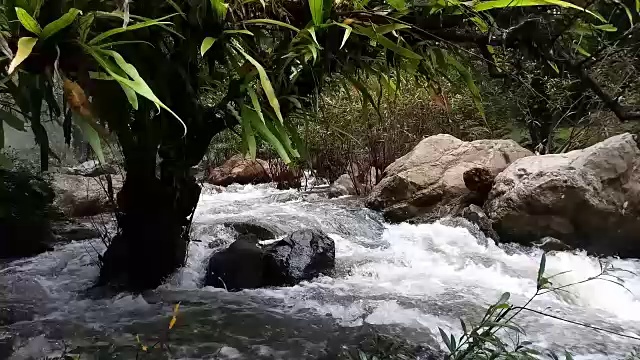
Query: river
column 400, row 280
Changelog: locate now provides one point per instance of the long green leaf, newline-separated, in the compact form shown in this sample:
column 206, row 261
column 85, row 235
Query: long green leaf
column 27, row 21
column 240, row 31
column 271, row 22
column 256, row 103
column 384, row 29
column 316, row 8
column 499, row 4
column 12, row 120
column 247, row 130
column 137, row 84
column 207, row 43
column 59, row 24
column 85, row 25
column 219, row 9
column 382, row 40
column 347, row 32
column 280, row 132
column 268, row 136
column 265, row 82
column 91, row 135
column 25, row 46
column 471, row 85
column 119, row 30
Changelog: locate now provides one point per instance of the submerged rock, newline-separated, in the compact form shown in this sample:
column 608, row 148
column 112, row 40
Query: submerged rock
column 586, row 198
column 549, row 243
column 302, row 255
column 429, row 181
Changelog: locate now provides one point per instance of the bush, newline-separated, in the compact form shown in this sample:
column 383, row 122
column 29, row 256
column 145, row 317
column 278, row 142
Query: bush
column 25, row 208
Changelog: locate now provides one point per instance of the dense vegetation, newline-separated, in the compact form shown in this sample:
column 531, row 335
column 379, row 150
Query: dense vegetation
column 166, row 77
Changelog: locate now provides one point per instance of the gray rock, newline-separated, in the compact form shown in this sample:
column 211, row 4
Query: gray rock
column 458, row 222
column 476, row 215
column 551, row 244
column 342, row 186
column 239, row 170
column 586, row 198
column 74, row 231
column 79, row 196
column 429, row 179
column 89, row 168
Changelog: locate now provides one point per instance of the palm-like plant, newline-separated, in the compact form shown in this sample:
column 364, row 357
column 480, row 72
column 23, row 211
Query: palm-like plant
column 166, row 76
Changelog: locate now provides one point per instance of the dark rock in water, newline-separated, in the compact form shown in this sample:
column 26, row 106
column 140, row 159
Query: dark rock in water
column 90, row 168
column 300, row 256
column 74, row 231
column 549, row 243
column 262, row 232
column 474, row 230
column 475, row 214
column 238, row 267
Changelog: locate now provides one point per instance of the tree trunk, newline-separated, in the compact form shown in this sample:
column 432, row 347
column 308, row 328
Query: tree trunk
column 154, row 217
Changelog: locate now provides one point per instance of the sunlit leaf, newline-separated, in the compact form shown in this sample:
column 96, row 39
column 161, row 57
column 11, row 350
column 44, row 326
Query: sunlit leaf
column 11, row 120
column 316, row 8
column 207, row 43
column 85, row 25
column 25, row 46
column 607, row 28
column 397, row 4
column 256, row 103
column 119, row 30
column 499, row 4
column 27, row 21
column 240, row 31
column 385, row 29
column 247, row 130
column 382, row 40
column 347, row 32
column 219, row 9
column 59, row 24
column 266, row 84
column 271, row 22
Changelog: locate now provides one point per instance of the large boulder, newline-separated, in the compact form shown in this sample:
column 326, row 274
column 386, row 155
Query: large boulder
column 586, row 198
column 79, row 196
column 345, row 185
column 429, row 181
column 239, row 170
column 245, row 264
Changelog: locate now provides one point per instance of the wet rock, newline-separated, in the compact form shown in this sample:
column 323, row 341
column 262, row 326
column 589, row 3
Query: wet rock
column 240, row 266
column 73, row 230
column 587, row 199
column 302, row 255
column 239, row 170
column 245, row 264
column 549, row 243
column 476, row 215
column 261, row 231
column 89, row 168
column 80, row 196
column 474, row 230
column 342, row 186
column 429, row 180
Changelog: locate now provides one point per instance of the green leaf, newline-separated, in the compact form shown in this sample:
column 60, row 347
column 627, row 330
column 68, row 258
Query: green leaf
column 91, row 135
column 271, row 22
column 626, row 10
column 387, row 43
column 384, row 29
column 177, row 8
column 347, row 32
column 315, row 6
column 606, row 27
column 219, row 9
column 266, row 84
column 136, row 83
column 268, row 136
column 638, row 6
column 397, row 4
column 543, row 263
column 553, row 66
column 446, row 340
column 280, row 132
column 207, row 43
column 464, row 326
column 85, row 25
column 11, row 120
column 131, row 95
column 499, row 4
column 247, row 131
column 119, row 30
column 256, row 103
column 241, row 31
column 568, row 356
column 59, row 24
column 25, row 46
column 27, row 21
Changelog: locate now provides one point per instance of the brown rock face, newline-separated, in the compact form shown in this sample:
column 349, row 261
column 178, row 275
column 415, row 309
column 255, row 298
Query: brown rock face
column 241, row 171
column 429, row 180
column 586, row 198
column 79, row 196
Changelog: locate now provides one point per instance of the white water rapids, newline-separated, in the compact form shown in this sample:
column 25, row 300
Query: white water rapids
column 402, row 280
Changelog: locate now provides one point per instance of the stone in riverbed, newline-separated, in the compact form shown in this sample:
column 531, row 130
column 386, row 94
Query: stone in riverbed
column 302, row 255
column 587, row 199
column 429, row 181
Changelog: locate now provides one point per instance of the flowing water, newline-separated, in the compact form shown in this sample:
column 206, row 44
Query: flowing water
column 401, row 280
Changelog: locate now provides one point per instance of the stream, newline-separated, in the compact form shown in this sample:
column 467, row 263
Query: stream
column 399, row 280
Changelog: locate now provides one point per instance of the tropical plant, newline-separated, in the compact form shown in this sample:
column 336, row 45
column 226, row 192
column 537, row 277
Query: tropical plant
column 166, row 76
